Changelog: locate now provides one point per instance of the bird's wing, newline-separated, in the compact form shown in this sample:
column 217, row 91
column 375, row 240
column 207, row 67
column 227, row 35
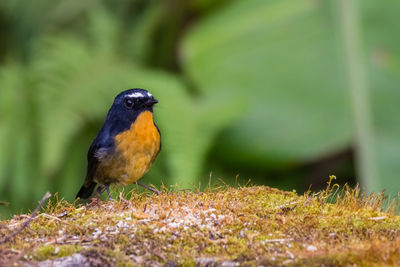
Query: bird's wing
column 101, row 146
column 93, row 162
column 97, row 151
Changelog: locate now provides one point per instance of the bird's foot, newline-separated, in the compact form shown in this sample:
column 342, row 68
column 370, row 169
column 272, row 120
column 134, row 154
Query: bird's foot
column 94, row 202
column 149, row 188
column 102, row 188
column 108, row 191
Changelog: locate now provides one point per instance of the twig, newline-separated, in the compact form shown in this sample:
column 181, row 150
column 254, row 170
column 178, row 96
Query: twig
column 279, row 240
column 126, row 202
column 377, row 218
column 286, row 205
column 16, row 232
column 59, row 220
column 3, row 203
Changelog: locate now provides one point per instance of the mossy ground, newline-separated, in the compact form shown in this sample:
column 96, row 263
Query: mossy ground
column 255, row 225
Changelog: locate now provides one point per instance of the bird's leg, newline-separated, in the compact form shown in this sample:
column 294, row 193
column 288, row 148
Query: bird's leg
column 100, row 189
column 149, row 188
column 108, row 191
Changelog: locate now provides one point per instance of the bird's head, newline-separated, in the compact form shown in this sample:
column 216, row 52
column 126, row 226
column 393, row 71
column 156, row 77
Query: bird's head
column 134, row 100
column 127, row 106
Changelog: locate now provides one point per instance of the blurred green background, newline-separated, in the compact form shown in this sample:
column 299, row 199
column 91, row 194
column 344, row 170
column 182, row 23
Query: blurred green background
column 281, row 92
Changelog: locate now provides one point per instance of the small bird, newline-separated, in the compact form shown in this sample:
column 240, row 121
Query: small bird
column 126, row 146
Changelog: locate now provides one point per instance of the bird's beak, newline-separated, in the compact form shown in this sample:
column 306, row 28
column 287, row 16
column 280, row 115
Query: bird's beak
column 151, row 102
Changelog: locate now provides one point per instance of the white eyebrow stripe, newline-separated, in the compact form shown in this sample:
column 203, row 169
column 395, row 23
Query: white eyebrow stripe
column 149, row 94
column 136, row 95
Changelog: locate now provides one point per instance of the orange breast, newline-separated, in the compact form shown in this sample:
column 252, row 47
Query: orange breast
column 135, row 151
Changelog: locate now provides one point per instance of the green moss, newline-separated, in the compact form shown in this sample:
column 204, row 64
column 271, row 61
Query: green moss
column 117, row 258
column 249, row 225
column 51, row 251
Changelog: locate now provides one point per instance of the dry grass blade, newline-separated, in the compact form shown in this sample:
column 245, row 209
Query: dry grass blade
column 16, row 232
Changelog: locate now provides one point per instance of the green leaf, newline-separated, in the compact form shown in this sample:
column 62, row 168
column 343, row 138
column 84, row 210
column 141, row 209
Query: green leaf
column 282, row 58
column 380, row 28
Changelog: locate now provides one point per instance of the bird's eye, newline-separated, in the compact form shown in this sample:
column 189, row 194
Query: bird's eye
column 128, row 103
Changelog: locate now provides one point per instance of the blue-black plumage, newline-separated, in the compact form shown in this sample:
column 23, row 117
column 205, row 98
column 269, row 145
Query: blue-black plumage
column 125, row 146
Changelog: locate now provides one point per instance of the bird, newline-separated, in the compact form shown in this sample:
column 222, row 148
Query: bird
column 126, row 145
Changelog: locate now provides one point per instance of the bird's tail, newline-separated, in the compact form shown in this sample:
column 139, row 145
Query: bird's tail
column 86, row 191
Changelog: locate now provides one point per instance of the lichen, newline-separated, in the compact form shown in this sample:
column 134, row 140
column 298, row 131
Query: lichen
column 255, row 225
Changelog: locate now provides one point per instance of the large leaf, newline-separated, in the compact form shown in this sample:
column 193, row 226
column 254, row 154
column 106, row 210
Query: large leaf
column 380, row 26
column 281, row 57
column 285, row 59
